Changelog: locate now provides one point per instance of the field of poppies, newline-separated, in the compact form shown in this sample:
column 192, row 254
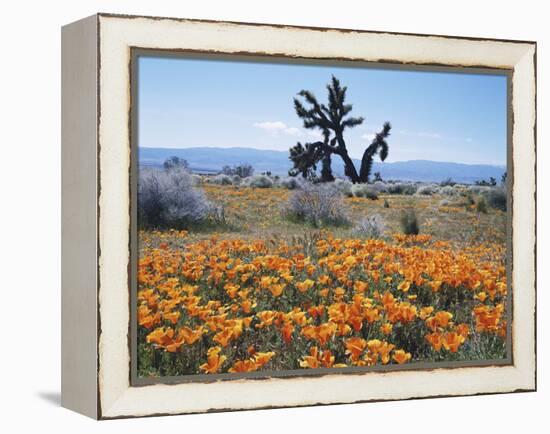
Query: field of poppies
column 264, row 292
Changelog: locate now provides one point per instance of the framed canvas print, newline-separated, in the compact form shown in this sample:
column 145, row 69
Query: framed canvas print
column 260, row 216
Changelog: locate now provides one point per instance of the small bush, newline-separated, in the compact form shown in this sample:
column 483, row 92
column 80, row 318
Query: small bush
column 317, row 204
column 427, row 190
column 371, row 194
column 449, row 191
column 481, row 205
column 369, row 227
column 289, row 182
column 386, row 203
column 222, row 179
column 402, row 188
column 344, row 186
column 496, row 198
column 259, row 181
column 409, row 222
column 478, row 189
column 380, row 187
column 364, row 190
column 167, row 199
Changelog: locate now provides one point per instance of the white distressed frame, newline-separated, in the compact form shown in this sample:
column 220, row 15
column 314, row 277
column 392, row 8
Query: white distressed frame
column 115, row 396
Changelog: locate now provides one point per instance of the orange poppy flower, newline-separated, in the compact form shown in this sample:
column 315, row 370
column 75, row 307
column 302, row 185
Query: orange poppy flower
column 400, row 356
column 355, row 347
column 435, row 340
column 386, row 328
column 214, row 361
column 452, row 341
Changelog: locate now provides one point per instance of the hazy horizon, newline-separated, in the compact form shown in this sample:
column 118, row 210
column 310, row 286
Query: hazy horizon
column 356, row 158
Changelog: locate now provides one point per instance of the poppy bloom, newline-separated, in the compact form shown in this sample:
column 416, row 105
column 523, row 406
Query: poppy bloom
column 400, row 356
column 355, row 347
column 214, row 361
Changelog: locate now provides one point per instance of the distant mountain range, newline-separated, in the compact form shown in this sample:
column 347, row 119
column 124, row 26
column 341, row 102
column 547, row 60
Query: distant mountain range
column 211, row 160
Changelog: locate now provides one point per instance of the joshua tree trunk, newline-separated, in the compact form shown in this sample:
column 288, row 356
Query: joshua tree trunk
column 349, row 167
column 366, row 166
column 326, row 170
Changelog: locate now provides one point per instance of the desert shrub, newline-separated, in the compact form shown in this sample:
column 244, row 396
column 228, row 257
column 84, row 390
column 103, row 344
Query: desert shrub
column 427, row 190
column 402, row 188
column 447, row 182
column 168, row 199
column 449, row 190
column 317, row 204
column 478, row 189
column 371, row 194
column 289, row 182
column 445, row 202
column 386, row 203
column 236, row 180
column 369, row 227
column 481, row 205
column 240, row 170
column 222, row 179
column 496, row 198
column 258, row 181
column 196, row 179
column 217, row 213
column 380, row 187
column 409, row 222
column 344, row 186
column 364, row 190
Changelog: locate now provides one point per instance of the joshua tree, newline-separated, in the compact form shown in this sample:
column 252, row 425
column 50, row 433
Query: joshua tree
column 332, row 120
column 175, row 162
column 305, row 159
column 243, row 170
column 377, row 176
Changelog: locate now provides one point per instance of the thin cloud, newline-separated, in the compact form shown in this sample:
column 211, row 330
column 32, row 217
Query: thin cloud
column 278, row 127
column 424, row 134
column 433, row 135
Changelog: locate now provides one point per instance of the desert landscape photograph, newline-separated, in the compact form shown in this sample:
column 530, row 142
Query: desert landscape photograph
column 293, row 217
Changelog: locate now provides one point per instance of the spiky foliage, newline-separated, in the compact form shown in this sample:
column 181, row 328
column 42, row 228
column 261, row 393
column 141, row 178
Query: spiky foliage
column 378, row 146
column 305, row 159
column 332, row 120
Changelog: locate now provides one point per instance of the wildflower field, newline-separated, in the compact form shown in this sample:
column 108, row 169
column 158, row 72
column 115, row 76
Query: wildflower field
column 260, row 291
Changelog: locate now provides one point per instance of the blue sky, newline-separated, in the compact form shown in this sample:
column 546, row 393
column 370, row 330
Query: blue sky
column 440, row 116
